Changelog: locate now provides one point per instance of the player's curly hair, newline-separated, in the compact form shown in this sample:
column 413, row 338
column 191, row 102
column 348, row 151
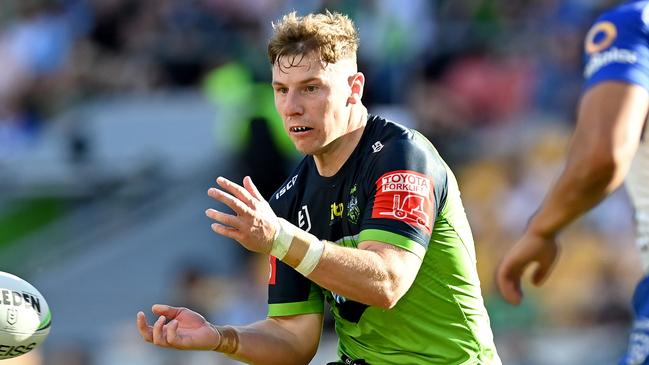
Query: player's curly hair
column 331, row 35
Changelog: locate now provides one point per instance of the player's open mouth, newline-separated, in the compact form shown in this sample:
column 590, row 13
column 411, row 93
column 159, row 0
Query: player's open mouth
column 300, row 129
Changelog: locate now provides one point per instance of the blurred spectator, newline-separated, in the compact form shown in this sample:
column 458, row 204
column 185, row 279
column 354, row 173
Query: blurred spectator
column 34, row 48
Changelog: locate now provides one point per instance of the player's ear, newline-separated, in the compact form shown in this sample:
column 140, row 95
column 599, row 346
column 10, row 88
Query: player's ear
column 356, row 83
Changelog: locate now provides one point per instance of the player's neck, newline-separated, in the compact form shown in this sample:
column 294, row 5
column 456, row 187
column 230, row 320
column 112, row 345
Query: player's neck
column 330, row 161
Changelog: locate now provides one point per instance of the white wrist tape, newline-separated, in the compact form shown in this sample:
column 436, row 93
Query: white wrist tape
column 311, row 259
column 283, row 239
column 306, row 252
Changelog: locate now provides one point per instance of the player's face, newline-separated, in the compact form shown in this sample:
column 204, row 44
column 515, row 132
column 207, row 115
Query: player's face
column 312, row 99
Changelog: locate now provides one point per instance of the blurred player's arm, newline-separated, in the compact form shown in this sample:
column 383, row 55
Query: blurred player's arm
column 273, row 341
column 609, row 126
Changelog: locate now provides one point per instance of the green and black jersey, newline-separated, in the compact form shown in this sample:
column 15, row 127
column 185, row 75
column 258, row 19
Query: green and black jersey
column 396, row 189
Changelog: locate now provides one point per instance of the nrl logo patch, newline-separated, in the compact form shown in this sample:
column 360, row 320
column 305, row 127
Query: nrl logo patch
column 12, row 316
column 303, row 219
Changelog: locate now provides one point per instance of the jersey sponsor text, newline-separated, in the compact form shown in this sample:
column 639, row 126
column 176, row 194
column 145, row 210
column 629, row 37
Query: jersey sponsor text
column 405, row 196
column 613, row 55
column 406, row 181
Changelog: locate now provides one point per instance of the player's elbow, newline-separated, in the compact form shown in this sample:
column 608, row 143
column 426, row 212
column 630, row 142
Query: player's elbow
column 385, row 300
column 390, row 302
column 607, row 168
column 602, row 167
column 391, row 291
column 607, row 161
column 394, row 275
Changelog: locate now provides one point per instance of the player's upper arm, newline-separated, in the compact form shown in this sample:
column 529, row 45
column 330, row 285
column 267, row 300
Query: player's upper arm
column 613, row 108
column 402, row 265
column 610, row 120
column 407, row 189
column 408, row 183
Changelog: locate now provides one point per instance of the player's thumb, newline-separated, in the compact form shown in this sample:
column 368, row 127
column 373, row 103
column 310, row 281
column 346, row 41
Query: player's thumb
column 541, row 273
column 164, row 310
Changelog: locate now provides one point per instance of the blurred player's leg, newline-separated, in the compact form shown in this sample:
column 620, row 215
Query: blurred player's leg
column 638, row 351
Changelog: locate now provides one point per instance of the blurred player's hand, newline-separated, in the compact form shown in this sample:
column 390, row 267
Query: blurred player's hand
column 254, row 223
column 178, row 328
column 531, row 248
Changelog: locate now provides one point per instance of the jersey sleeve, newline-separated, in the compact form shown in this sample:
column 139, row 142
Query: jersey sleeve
column 617, row 48
column 289, row 292
column 408, row 182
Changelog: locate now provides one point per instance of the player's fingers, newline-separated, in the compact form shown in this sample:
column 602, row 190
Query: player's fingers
column 228, row 199
column 158, row 336
column 252, row 188
column 226, row 231
column 172, row 332
column 236, row 190
column 508, row 278
column 225, row 219
column 145, row 330
column 511, row 291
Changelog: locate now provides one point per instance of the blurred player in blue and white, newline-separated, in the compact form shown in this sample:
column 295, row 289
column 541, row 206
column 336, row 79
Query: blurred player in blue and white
column 610, row 143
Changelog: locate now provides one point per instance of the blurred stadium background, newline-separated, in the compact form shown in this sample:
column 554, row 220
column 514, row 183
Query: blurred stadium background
column 117, row 115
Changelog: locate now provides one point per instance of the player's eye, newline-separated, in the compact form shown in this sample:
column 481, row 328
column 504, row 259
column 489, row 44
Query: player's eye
column 281, row 90
column 311, row 88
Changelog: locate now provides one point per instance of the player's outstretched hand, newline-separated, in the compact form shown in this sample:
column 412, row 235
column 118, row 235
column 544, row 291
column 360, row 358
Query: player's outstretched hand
column 178, row 328
column 254, row 222
column 531, row 248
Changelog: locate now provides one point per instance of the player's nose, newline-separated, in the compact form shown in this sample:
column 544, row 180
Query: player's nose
column 293, row 104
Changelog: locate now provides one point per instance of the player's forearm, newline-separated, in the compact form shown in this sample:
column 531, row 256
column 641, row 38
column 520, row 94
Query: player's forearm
column 360, row 275
column 268, row 343
column 378, row 275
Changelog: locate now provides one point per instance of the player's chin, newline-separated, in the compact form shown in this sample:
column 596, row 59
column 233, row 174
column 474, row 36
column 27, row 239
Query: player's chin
column 306, row 149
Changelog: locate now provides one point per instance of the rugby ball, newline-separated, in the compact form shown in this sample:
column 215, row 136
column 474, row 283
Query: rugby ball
column 25, row 317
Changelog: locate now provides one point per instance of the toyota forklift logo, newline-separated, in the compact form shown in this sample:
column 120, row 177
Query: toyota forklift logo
column 406, row 196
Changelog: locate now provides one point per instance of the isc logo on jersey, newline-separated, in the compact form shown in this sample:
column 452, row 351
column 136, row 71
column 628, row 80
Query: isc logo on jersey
column 406, row 196
column 286, row 187
column 598, row 40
